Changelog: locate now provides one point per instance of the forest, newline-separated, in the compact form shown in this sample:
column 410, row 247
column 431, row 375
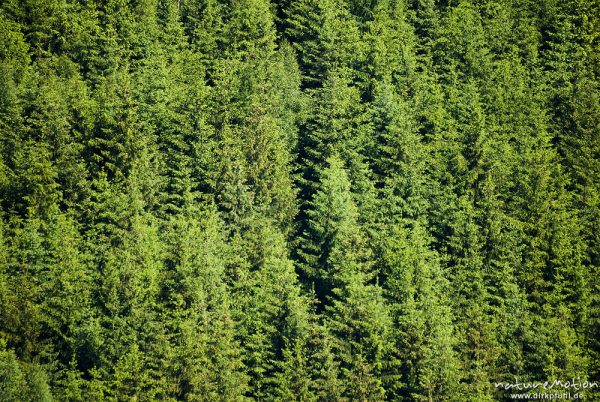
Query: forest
column 298, row 200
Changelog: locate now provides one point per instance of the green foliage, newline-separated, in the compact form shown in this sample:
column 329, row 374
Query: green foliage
column 325, row 37
column 20, row 382
column 333, row 200
column 333, row 247
column 427, row 365
column 207, row 359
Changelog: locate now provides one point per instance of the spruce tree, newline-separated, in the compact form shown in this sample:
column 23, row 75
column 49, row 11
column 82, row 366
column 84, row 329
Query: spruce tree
column 426, row 367
column 207, row 361
column 338, row 260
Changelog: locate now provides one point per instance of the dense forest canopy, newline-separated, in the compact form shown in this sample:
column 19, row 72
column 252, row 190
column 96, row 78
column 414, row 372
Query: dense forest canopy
column 311, row 200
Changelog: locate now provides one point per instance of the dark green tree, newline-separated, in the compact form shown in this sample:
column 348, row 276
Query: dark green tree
column 427, row 367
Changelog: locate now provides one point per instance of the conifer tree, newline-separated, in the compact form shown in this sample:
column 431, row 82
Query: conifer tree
column 21, row 382
column 129, row 257
column 423, row 330
column 65, row 290
column 338, row 260
column 206, row 359
column 255, row 164
column 324, row 36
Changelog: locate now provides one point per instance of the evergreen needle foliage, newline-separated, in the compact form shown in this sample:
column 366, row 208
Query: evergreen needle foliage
column 311, row 200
